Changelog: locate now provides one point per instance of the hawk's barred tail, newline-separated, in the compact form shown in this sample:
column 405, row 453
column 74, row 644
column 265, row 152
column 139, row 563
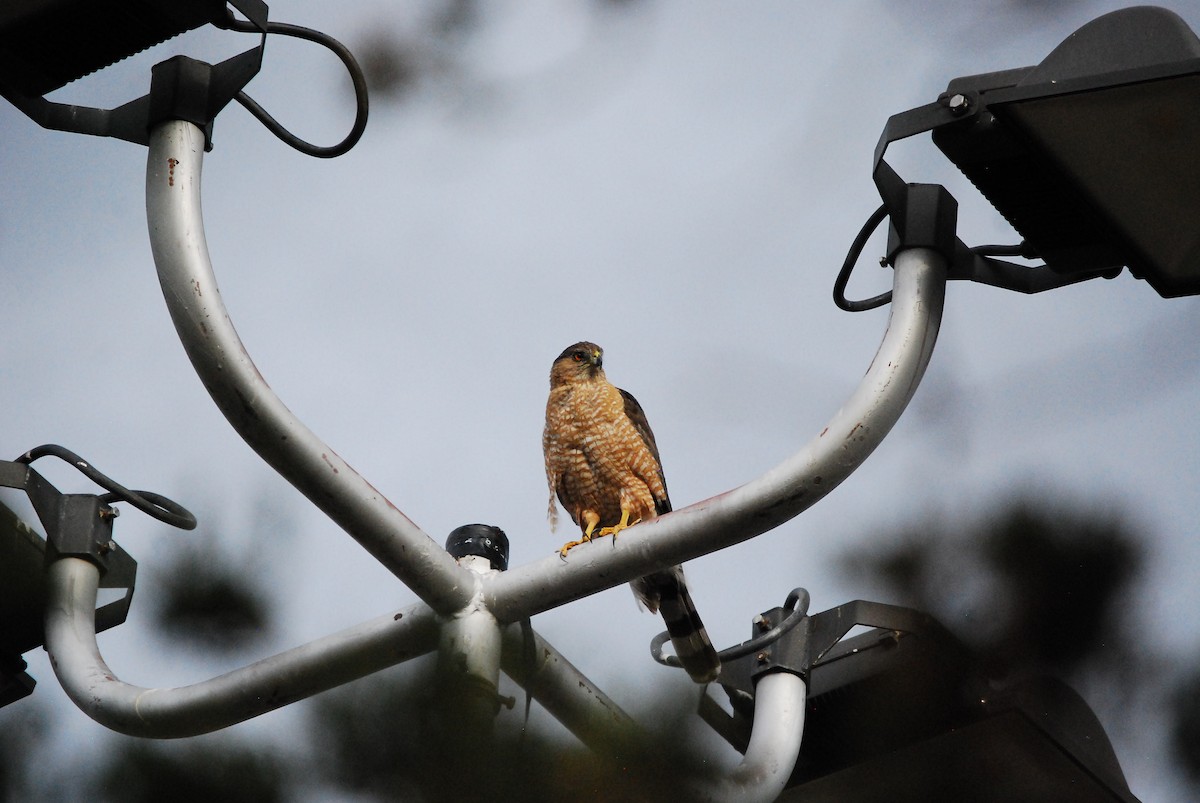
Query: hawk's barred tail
column 666, row 592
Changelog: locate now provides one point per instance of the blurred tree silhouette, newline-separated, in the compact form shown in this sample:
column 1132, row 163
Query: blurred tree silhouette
column 428, row 47
column 224, row 769
column 215, row 594
column 1047, row 588
column 1065, row 579
column 399, row 58
column 1033, row 587
column 384, row 738
column 24, row 733
column 1185, row 730
column 209, row 601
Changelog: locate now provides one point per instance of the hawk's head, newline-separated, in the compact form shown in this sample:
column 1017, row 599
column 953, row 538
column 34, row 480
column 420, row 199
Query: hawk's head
column 581, row 362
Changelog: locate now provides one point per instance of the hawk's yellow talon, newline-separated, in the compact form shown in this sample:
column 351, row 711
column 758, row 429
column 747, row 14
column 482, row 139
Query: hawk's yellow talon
column 616, row 528
column 567, row 547
column 591, row 519
column 623, row 524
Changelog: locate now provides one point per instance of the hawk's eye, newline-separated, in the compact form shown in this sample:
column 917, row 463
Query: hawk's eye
column 577, row 356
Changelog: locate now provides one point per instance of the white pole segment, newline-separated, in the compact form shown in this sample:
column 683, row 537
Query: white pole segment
column 222, row 701
column 185, row 272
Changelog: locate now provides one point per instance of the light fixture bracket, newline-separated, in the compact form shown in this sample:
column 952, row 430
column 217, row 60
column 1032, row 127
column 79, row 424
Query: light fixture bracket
column 46, row 44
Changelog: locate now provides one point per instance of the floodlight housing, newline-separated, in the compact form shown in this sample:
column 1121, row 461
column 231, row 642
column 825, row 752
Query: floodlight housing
column 46, row 44
column 1092, row 155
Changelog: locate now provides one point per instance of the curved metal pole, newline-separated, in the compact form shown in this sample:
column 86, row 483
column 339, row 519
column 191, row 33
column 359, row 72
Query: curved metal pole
column 778, row 495
column 779, row 704
column 222, row 701
column 231, row 378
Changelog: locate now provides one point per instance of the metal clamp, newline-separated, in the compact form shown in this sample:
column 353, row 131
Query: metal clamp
column 81, row 525
column 791, row 641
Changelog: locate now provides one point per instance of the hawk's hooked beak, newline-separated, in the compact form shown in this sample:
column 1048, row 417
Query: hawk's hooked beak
column 598, row 359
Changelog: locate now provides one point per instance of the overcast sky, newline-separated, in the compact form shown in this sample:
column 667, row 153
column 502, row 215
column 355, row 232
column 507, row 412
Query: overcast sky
column 677, row 182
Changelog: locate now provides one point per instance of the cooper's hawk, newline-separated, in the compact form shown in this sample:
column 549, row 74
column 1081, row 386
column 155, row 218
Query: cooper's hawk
column 603, row 466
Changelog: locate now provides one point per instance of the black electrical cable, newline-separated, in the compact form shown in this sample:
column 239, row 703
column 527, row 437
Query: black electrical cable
column 843, row 278
column 796, row 613
column 152, row 504
column 359, row 80
column 797, row 604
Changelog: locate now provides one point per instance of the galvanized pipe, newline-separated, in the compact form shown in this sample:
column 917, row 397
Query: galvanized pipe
column 778, row 495
column 779, row 703
column 225, row 368
column 222, row 701
column 204, row 707
column 568, row 695
column 466, row 641
column 185, row 272
column 177, row 239
column 469, row 665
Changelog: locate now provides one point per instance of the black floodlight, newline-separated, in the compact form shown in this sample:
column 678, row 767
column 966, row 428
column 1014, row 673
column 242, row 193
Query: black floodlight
column 46, row 44
column 1094, row 154
column 1091, row 156
column 904, row 712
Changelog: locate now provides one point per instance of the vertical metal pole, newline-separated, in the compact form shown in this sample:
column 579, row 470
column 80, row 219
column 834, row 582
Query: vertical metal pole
column 469, row 667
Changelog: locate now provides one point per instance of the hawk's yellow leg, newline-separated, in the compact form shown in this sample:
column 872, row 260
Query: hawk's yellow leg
column 590, row 518
column 621, row 525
